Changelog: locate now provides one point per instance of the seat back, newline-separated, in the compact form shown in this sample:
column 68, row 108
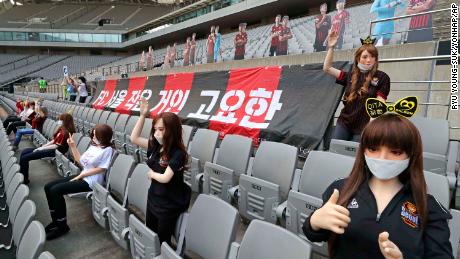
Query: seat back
column 130, row 125
column 211, row 214
column 25, row 215
column 77, row 137
column 19, row 196
column 204, row 145
column 121, row 122
column 83, row 145
column 138, row 187
column 455, row 231
column 46, row 255
column 276, row 243
column 187, row 134
column 438, row 186
column 319, row 171
column 120, row 172
column 433, row 143
column 112, row 119
column 104, row 117
column 32, row 242
column 275, row 162
column 234, row 153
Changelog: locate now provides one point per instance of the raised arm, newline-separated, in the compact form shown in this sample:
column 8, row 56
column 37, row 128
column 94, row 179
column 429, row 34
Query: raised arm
column 136, row 134
column 327, row 66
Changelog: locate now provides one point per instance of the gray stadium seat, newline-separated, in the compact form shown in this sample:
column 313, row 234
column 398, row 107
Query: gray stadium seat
column 140, row 153
column 24, row 216
column 19, row 196
column 118, row 176
column 32, row 242
column 11, row 183
column 112, row 120
column 211, row 228
column 46, row 255
column 261, row 191
column 128, row 146
column 187, row 134
column 80, row 120
column 94, row 121
column 117, row 203
column 104, row 117
column 144, row 243
column 276, row 243
column 319, row 171
column 232, row 161
column 119, row 132
column 202, row 150
column 438, row 186
column 439, row 154
column 88, row 120
column 343, row 147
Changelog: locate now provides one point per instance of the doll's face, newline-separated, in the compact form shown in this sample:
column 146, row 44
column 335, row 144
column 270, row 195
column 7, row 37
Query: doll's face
column 367, row 59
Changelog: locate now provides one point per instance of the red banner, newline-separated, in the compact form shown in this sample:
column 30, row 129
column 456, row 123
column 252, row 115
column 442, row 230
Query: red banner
column 105, row 95
column 131, row 100
column 175, row 94
column 250, row 100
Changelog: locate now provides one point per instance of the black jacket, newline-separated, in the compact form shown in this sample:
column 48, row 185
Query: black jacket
column 360, row 239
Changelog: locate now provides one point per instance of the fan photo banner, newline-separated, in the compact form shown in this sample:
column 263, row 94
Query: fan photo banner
column 289, row 104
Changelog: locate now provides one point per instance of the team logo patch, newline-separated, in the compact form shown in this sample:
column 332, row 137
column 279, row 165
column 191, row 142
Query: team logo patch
column 353, row 204
column 375, row 81
column 409, row 214
column 163, row 162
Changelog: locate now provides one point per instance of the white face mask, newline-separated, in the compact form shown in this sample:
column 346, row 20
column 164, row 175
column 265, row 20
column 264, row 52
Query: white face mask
column 96, row 141
column 159, row 139
column 364, row 68
column 385, row 169
column 59, row 123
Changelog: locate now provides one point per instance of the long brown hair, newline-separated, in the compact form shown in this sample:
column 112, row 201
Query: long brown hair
column 67, row 123
column 362, row 90
column 172, row 135
column 394, row 132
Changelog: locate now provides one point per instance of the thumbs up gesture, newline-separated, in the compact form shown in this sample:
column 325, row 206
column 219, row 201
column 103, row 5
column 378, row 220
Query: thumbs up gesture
column 389, row 249
column 331, row 216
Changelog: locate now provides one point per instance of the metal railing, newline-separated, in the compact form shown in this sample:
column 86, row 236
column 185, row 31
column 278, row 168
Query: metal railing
column 401, row 17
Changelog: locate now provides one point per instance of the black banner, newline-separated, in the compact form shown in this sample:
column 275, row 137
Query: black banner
column 293, row 105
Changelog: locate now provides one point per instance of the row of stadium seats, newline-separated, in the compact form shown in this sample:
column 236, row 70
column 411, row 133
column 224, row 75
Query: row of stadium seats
column 120, row 207
column 22, row 236
column 82, row 17
column 48, row 67
column 268, row 186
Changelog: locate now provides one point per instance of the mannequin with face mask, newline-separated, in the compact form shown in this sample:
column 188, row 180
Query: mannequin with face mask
column 362, row 82
column 382, row 209
column 167, row 158
column 94, row 163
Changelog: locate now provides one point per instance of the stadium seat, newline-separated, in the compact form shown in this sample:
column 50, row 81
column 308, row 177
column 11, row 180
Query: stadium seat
column 20, row 195
column 211, row 228
column 267, row 183
column 202, row 150
column 62, row 160
column 276, row 243
column 232, row 161
column 119, row 132
column 24, row 216
column 117, row 202
column 187, row 134
column 32, row 242
column 117, row 179
column 46, row 255
column 82, row 146
column 140, row 154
